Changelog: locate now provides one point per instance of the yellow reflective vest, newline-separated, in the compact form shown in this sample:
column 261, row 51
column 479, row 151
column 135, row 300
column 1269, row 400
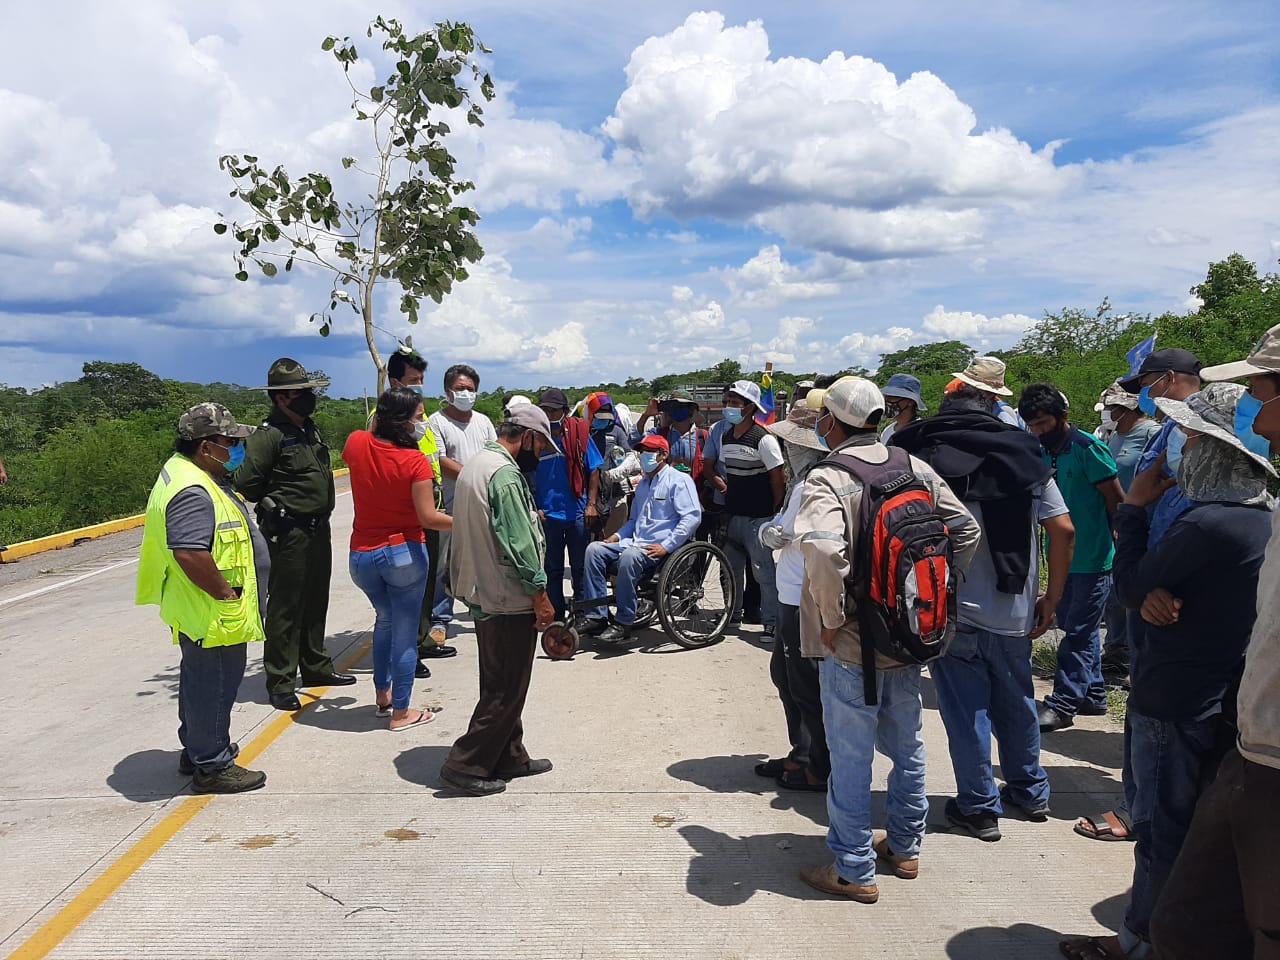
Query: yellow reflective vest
column 184, row 606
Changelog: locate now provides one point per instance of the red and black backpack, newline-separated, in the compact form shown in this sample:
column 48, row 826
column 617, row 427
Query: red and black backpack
column 902, row 579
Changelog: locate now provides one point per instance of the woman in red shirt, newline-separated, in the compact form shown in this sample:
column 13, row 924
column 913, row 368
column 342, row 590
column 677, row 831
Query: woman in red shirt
column 392, row 489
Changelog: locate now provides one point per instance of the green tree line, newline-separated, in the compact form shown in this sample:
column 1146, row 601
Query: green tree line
column 89, row 450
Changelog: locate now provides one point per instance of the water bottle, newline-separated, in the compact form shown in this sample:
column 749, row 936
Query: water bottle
column 398, row 550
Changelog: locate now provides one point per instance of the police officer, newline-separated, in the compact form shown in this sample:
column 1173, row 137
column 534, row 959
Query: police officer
column 286, row 472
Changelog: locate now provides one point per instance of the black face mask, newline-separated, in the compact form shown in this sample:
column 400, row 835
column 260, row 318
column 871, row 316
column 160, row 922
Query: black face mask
column 527, row 460
column 303, row 405
column 1053, row 439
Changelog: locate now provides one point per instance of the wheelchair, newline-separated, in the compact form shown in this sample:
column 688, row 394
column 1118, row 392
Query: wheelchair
column 691, row 593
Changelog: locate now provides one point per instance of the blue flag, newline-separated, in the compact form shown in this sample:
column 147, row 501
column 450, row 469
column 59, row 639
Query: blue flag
column 1138, row 353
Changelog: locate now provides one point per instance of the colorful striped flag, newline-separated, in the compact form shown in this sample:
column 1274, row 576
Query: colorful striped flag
column 766, row 414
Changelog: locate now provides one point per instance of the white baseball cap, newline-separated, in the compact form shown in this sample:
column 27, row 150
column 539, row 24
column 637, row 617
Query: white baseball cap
column 852, row 399
column 746, row 390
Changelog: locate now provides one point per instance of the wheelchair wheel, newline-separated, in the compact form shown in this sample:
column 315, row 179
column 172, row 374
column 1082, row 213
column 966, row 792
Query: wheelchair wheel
column 560, row 642
column 696, row 595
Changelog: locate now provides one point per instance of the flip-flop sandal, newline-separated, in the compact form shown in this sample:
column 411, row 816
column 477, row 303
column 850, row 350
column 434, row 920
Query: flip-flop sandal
column 424, row 716
column 379, row 710
column 1110, row 827
column 797, row 780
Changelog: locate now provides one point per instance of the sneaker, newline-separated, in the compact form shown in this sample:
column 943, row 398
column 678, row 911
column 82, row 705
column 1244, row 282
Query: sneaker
column 768, row 630
column 824, row 877
column 1051, row 719
column 230, row 779
column 984, row 826
column 1034, row 814
column 904, row 868
column 187, row 768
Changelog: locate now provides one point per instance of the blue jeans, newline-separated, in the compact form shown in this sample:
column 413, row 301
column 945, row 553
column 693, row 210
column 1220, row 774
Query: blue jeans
column 564, row 535
column 1079, row 677
column 742, row 543
column 1172, row 762
column 631, row 563
column 207, row 684
column 396, row 595
column 854, row 731
column 442, row 610
column 984, row 686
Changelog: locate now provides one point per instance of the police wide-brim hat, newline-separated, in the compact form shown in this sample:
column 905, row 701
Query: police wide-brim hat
column 1171, row 360
column 287, row 374
column 1265, row 358
column 1212, row 412
column 799, row 426
column 210, row 420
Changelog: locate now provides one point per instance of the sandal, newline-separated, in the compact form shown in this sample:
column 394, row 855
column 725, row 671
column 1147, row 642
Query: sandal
column 1112, row 826
column 771, row 768
column 381, row 709
column 424, row 716
column 1092, row 948
column 799, row 780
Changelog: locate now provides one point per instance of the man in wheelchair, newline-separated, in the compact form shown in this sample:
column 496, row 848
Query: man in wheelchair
column 664, row 515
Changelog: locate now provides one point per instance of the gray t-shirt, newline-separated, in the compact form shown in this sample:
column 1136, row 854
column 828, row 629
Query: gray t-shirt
column 460, row 442
column 189, row 522
column 983, row 606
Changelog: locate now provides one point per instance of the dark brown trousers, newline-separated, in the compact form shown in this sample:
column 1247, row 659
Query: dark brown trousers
column 1223, row 897
column 495, row 740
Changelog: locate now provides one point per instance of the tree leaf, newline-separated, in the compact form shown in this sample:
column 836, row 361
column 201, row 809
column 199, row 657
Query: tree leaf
column 219, row 228
column 269, row 268
column 328, row 43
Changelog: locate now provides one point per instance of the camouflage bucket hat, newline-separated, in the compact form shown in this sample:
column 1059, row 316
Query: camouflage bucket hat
column 210, row 420
column 287, row 374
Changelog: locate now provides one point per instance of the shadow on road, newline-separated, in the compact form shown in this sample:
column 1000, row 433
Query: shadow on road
column 1022, row 941
column 1103, row 747
column 728, row 871
column 148, row 775
column 421, row 766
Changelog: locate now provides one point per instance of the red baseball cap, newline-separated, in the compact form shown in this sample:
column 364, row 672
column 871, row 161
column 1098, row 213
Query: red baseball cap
column 654, row 441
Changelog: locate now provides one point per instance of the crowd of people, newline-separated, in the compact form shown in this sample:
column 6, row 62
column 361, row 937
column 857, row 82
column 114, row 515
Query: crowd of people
column 1159, row 529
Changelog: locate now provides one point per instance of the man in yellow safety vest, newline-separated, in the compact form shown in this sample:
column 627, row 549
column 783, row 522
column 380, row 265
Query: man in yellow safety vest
column 202, row 562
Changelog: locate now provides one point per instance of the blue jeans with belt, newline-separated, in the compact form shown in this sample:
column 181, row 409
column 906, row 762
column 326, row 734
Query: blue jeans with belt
column 396, row 595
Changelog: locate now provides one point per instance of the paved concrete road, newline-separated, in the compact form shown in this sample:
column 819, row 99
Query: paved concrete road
column 651, row 838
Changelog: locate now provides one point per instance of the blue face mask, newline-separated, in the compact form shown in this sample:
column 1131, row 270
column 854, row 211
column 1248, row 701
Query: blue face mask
column 1173, row 450
column 822, row 437
column 1146, row 402
column 235, row 455
column 734, row 414
column 415, row 387
column 681, row 413
column 648, row 462
column 599, row 423
column 1247, row 409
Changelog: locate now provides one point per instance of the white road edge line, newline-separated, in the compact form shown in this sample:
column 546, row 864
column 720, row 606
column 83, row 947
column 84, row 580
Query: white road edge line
column 86, row 576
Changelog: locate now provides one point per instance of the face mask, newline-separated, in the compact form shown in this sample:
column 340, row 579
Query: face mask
column 1107, row 419
column 648, row 462
column 526, row 459
column 413, row 387
column 682, row 413
column 418, row 430
column 1146, row 402
column 1053, row 439
column 601, row 424
column 1247, row 409
column 235, row 455
column 464, row 399
column 556, row 425
column 1173, row 450
column 822, row 437
column 303, row 405
column 734, row 414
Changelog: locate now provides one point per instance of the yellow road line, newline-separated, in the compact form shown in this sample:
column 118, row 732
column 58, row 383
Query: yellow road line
column 60, row 926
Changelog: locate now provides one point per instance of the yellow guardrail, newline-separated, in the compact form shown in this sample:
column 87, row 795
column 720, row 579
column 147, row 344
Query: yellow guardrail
column 70, row 538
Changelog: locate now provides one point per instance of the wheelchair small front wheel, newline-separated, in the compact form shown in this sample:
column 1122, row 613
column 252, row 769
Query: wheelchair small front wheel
column 560, row 641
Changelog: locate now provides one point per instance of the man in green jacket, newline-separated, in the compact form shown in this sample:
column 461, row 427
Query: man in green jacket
column 496, row 569
column 203, row 561
column 286, row 472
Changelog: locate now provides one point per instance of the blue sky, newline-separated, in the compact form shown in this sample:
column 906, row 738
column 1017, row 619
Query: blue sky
column 660, row 187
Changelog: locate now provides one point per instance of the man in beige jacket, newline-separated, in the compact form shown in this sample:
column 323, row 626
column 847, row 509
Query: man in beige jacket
column 829, row 530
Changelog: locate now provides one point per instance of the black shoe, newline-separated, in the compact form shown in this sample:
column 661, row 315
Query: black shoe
column 1092, row 710
column 422, row 671
column 531, row 769
column 187, row 768
column 984, row 826
column 328, row 680
column 232, row 779
column 768, row 630
column 440, row 651
column 593, row 626
column 285, row 701
column 1051, row 719
column 474, row 786
column 1034, row 814
column 614, row 633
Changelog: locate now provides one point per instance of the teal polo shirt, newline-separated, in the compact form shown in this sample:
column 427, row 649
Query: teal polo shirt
column 1083, row 463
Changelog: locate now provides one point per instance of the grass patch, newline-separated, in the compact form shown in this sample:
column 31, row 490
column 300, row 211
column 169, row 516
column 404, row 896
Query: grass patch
column 1117, row 704
column 1044, row 657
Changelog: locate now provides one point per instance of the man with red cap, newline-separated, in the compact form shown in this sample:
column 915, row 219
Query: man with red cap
column 664, row 515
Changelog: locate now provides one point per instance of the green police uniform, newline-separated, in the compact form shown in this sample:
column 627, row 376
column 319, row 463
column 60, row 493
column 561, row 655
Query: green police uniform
column 286, row 471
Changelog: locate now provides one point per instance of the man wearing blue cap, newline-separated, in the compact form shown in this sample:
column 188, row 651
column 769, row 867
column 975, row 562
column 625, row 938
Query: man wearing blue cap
column 902, row 404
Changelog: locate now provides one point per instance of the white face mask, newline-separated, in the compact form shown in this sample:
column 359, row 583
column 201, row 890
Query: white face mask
column 464, row 399
column 1107, row 419
column 418, row 430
